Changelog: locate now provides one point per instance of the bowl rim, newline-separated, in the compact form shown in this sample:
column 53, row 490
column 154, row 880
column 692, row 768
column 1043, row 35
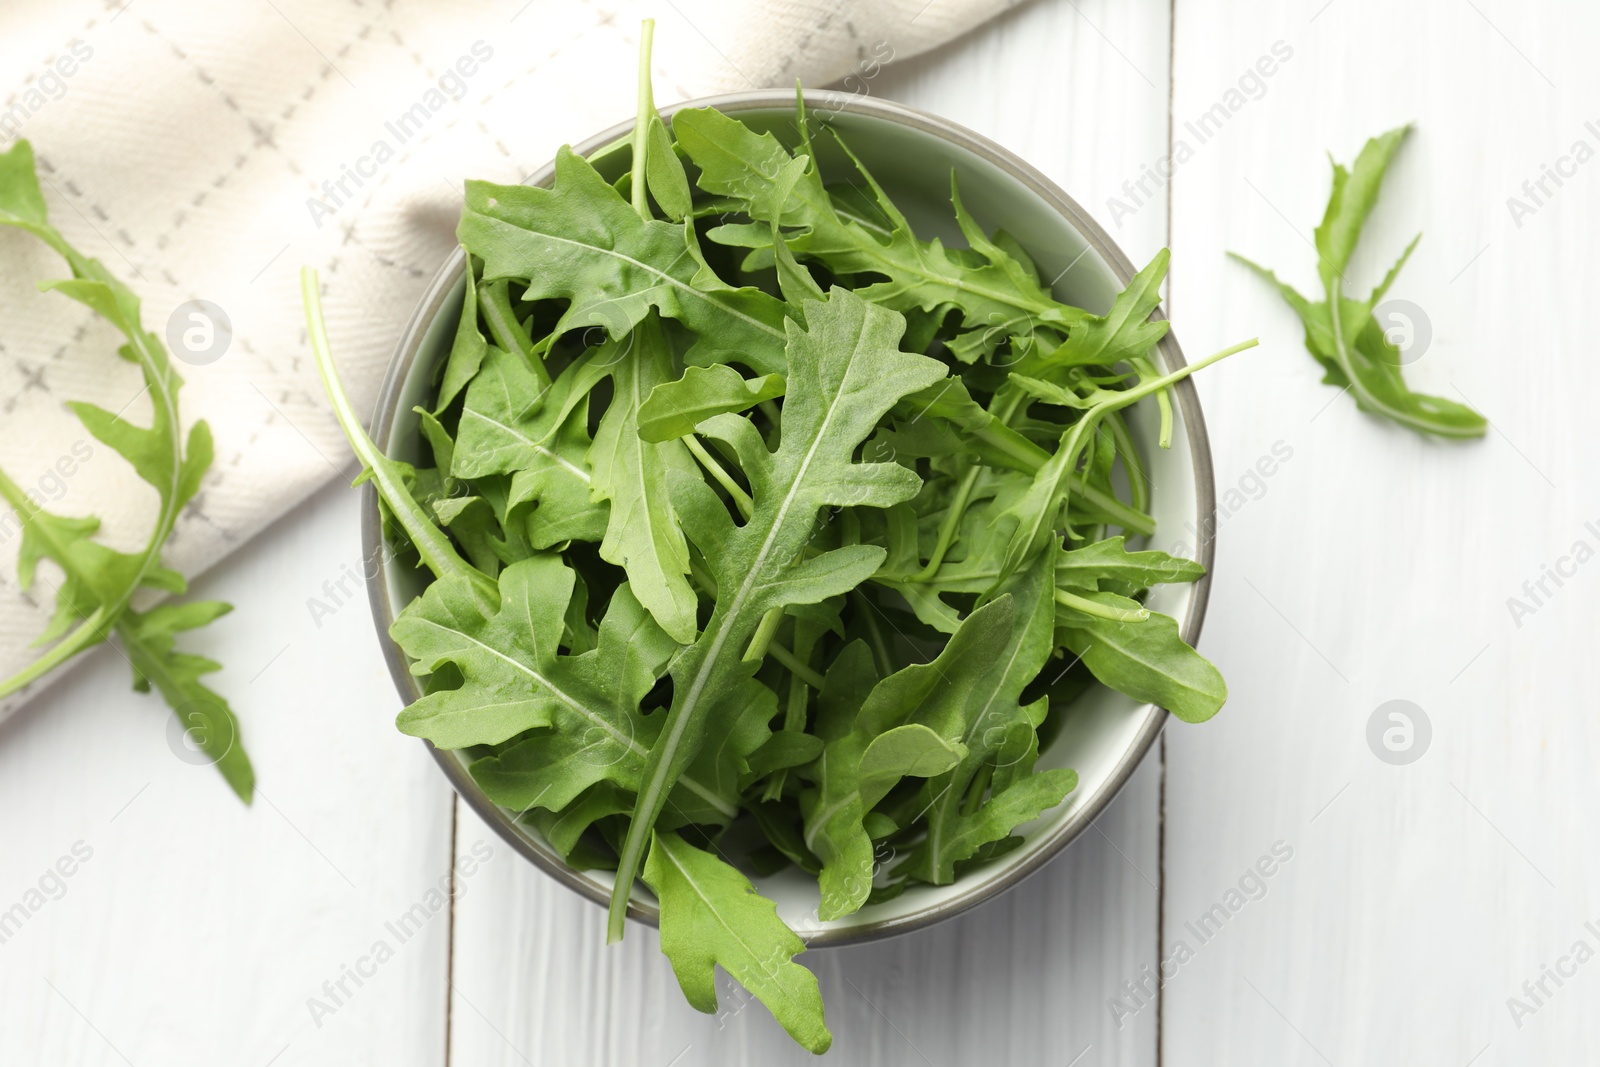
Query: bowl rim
column 1155, row 718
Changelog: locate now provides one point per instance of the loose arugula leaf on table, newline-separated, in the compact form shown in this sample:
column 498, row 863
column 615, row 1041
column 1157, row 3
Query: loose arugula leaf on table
column 98, row 583
column 1352, row 346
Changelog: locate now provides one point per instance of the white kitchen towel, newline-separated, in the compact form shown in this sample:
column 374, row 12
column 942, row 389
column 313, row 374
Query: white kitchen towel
column 206, row 151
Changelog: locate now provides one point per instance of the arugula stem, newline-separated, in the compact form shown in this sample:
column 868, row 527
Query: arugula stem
column 702, row 578
column 1032, row 457
column 432, row 544
column 757, row 651
column 495, row 300
column 880, row 648
column 641, row 127
column 949, row 524
column 1123, row 398
column 1128, row 449
column 1007, row 403
column 976, row 788
column 800, row 121
column 1147, row 369
column 1042, row 309
column 741, row 499
column 1099, row 610
column 792, row 664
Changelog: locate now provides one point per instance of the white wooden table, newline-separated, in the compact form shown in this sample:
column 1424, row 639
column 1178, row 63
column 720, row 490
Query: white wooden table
column 1370, row 566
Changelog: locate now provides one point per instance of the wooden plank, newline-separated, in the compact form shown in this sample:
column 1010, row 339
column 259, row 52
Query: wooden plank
column 1372, row 565
column 1023, row 979
column 194, row 930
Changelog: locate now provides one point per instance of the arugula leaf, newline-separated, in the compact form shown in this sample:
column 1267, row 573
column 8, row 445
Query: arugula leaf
column 844, row 372
column 1352, row 346
column 1147, row 660
column 1081, row 568
column 711, row 916
column 631, row 470
column 98, row 582
column 589, row 703
column 389, row 476
column 1126, row 333
column 1033, row 518
column 673, row 409
column 150, row 640
column 753, row 170
column 910, row 724
column 1000, row 736
column 655, row 166
column 467, row 352
column 565, row 829
column 507, row 659
column 580, row 241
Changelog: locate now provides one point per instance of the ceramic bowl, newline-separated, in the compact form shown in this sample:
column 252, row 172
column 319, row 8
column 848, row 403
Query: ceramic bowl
column 911, row 153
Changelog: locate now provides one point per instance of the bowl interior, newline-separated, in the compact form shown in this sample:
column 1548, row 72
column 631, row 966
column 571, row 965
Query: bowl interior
column 912, row 156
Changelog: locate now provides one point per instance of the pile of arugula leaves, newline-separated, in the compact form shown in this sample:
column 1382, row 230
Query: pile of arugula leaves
column 99, row 583
column 755, row 542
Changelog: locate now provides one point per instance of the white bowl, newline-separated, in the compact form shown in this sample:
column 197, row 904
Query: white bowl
column 911, row 154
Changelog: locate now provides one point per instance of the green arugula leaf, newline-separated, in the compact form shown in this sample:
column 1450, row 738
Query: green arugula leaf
column 467, row 352
column 587, row 703
column 963, row 813
column 631, row 471
column 99, row 583
column 990, row 441
column 1081, row 568
column 711, row 916
column 565, row 829
column 580, row 241
column 1146, row 660
column 1126, row 334
column 510, row 417
column 755, row 171
column 673, row 409
column 1034, row 518
column 655, row 165
column 150, row 640
column 844, row 373
column 1352, row 346
column 506, row 658
column 910, row 724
